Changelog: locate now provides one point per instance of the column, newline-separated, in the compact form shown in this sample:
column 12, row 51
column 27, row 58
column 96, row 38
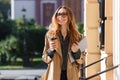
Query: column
column 12, row 9
column 91, row 22
column 109, row 37
column 108, row 30
column 116, row 37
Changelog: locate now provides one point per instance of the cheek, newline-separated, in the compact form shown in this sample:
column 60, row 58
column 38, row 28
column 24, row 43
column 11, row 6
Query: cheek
column 61, row 20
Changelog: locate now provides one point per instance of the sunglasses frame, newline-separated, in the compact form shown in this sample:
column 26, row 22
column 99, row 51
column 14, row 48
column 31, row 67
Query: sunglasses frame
column 63, row 14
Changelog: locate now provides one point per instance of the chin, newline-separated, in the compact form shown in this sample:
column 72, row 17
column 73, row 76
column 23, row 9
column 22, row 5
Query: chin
column 62, row 23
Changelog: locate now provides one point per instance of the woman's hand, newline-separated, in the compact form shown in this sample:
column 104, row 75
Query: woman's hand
column 75, row 47
column 53, row 45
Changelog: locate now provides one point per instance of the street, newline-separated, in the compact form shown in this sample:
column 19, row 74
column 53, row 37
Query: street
column 22, row 74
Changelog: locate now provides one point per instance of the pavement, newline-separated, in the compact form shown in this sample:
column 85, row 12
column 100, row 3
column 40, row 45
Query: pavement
column 22, row 74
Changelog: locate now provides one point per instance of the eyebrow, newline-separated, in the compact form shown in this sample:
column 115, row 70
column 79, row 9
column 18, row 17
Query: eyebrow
column 62, row 12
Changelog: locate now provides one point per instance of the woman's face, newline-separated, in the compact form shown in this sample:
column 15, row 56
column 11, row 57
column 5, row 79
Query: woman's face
column 62, row 17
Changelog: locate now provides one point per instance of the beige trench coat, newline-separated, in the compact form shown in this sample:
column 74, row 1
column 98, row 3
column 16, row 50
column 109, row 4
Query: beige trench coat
column 54, row 65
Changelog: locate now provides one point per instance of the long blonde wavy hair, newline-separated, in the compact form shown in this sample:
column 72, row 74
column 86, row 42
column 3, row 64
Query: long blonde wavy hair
column 73, row 30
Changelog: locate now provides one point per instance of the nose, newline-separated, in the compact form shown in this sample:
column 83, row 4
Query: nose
column 60, row 18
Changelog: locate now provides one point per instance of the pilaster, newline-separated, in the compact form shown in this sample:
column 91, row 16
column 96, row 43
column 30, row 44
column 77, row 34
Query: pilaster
column 116, row 37
column 109, row 36
column 91, row 23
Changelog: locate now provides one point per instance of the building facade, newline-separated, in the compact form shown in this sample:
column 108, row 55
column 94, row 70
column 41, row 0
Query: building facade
column 78, row 9
column 42, row 10
column 39, row 10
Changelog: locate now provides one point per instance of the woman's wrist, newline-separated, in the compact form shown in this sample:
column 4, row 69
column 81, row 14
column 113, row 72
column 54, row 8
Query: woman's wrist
column 76, row 54
column 51, row 53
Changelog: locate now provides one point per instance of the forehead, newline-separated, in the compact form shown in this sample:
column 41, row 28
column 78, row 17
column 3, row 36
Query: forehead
column 62, row 10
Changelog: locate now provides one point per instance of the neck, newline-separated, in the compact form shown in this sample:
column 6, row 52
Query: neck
column 64, row 30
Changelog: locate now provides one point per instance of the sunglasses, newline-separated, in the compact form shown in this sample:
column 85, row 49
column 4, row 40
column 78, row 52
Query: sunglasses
column 62, row 14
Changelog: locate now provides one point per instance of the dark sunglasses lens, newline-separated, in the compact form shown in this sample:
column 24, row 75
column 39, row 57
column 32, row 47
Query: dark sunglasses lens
column 61, row 14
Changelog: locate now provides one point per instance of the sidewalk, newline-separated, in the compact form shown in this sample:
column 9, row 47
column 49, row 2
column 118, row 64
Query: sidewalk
column 25, row 74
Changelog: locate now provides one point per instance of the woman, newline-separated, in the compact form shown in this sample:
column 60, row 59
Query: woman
column 61, row 50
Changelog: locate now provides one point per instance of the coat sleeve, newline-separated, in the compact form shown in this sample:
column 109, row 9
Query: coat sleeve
column 83, row 47
column 81, row 60
column 45, row 57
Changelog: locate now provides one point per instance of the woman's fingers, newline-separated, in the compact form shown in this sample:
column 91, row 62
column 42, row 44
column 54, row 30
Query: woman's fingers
column 53, row 45
column 75, row 47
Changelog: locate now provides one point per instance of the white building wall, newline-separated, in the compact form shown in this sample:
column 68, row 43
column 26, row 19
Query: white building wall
column 18, row 5
column 116, row 37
